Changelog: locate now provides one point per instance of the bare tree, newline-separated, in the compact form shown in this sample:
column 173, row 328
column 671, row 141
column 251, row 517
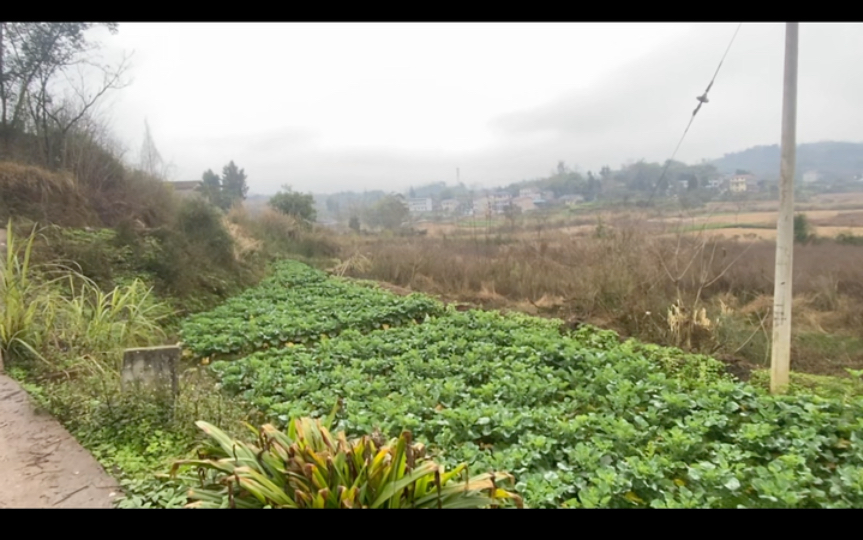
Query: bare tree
column 74, row 106
column 36, row 59
column 94, row 154
column 32, row 50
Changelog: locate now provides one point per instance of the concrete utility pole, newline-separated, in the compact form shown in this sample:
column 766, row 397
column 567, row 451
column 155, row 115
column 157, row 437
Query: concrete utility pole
column 780, row 360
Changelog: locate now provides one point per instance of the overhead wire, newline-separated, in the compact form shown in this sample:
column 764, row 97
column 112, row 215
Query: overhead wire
column 702, row 99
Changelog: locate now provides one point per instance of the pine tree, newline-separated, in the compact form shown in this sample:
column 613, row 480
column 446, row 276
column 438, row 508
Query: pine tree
column 234, row 188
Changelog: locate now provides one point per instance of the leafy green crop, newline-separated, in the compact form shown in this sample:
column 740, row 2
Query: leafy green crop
column 582, row 421
column 297, row 305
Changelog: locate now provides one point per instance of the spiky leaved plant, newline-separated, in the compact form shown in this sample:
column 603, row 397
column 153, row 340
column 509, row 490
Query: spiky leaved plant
column 26, row 304
column 306, row 467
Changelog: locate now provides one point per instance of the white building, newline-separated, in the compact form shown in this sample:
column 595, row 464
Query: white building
column 533, row 193
column 420, row 205
column 742, row 182
column 500, row 201
column 449, row 205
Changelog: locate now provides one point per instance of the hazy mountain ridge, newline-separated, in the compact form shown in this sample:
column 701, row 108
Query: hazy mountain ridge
column 829, row 158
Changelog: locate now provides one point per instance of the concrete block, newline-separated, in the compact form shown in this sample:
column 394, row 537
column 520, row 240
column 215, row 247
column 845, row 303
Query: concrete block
column 155, row 368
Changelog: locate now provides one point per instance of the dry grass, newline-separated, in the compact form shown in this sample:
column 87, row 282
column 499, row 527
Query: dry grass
column 244, row 244
column 41, row 195
column 833, row 232
column 16, row 176
column 273, row 233
column 698, row 290
column 102, row 193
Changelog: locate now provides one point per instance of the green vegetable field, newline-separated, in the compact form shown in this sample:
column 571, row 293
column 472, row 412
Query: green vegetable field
column 581, row 420
column 298, row 304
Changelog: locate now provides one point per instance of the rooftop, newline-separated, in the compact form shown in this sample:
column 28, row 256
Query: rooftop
column 187, row 184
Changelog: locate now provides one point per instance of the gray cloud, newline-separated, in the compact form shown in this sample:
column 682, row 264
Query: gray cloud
column 636, row 111
column 641, row 111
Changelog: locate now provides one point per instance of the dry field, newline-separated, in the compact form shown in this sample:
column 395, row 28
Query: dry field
column 829, row 215
column 626, row 271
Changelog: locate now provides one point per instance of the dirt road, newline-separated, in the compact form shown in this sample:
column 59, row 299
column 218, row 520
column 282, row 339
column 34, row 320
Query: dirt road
column 41, row 464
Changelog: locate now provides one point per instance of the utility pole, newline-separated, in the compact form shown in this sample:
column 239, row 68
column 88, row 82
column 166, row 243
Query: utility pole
column 780, row 360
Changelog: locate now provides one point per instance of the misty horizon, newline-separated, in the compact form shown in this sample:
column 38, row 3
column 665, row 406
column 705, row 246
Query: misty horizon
column 348, row 111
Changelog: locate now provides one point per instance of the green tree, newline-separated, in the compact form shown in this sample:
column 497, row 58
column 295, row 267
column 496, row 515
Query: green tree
column 389, row 213
column 211, row 188
column 562, row 169
column 354, row 223
column 802, row 229
column 293, row 203
column 234, row 187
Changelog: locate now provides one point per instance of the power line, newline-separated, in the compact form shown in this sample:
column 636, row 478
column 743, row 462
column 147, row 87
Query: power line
column 702, row 99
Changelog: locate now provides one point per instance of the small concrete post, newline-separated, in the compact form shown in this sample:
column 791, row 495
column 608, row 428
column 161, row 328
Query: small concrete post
column 152, row 367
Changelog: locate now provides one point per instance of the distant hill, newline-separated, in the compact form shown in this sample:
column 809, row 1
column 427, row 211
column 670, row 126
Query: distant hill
column 830, row 158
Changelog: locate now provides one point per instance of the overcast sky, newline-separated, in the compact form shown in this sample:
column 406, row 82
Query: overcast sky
column 331, row 107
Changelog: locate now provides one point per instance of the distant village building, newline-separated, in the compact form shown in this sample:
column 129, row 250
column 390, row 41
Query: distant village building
column 715, row 183
column 753, row 184
column 450, row 205
column 571, row 200
column 741, row 183
column 533, row 193
column 187, row 188
column 525, row 203
column 500, row 200
column 420, row 205
column 482, row 206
